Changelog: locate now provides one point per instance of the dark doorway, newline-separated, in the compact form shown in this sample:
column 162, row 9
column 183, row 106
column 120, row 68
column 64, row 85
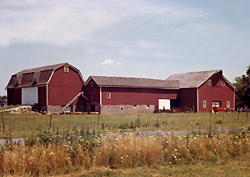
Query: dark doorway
column 174, row 103
column 92, row 108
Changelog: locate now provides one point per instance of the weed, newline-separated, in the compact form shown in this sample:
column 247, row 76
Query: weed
column 157, row 124
column 218, row 121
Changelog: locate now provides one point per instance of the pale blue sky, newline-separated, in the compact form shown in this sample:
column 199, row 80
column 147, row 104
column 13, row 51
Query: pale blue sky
column 151, row 39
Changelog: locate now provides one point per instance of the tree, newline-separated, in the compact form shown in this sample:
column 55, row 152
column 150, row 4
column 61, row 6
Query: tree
column 242, row 93
column 3, row 100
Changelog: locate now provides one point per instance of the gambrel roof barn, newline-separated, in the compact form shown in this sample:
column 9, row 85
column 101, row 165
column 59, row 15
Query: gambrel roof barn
column 49, row 86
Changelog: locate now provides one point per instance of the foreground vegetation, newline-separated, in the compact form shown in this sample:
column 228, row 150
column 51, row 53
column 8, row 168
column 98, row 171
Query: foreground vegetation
column 61, row 152
column 25, row 125
column 81, row 145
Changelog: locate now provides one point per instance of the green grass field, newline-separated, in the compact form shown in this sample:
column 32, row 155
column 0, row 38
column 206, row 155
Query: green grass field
column 26, row 124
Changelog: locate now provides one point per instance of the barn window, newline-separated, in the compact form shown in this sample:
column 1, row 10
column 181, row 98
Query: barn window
column 16, row 83
column 135, row 106
column 92, row 95
column 66, row 68
column 108, row 95
column 204, row 103
column 121, row 107
column 147, row 106
column 91, row 84
column 223, row 83
column 228, row 104
column 108, row 107
column 209, row 82
column 34, row 80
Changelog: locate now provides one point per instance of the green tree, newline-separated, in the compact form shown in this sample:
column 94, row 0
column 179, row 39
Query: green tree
column 242, row 93
column 3, row 100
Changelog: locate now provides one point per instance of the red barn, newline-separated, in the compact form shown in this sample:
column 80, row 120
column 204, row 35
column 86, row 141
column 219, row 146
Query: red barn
column 115, row 95
column 205, row 90
column 51, row 87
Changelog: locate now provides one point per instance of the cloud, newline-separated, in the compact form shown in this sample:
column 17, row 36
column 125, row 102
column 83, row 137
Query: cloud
column 63, row 23
column 109, row 62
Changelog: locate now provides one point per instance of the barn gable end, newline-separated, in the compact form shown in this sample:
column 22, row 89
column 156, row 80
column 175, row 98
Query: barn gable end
column 32, row 86
column 200, row 91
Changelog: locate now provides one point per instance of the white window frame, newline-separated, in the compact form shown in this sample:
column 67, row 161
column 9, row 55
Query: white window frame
column 147, row 106
column 204, row 103
column 121, row 107
column 135, row 106
column 209, row 82
column 108, row 95
column 223, row 83
column 228, row 104
column 66, row 68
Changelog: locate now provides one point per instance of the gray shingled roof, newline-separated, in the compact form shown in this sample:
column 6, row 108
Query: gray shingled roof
column 193, row 79
column 42, row 74
column 105, row 81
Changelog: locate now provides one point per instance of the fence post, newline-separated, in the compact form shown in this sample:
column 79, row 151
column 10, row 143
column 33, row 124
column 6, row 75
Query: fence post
column 210, row 127
column 210, row 117
column 3, row 124
column 50, row 120
column 99, row 112
column 98, row 119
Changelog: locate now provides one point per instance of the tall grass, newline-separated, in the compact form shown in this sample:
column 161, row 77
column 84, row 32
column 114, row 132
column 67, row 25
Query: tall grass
column 60, row 152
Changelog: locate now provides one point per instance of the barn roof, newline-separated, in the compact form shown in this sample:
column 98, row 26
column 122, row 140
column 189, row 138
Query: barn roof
column 105, row 81
column 195, row 79
column 36, row 76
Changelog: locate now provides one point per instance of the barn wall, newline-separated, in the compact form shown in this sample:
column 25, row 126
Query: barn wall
column 14, row 96
column 215, row 92
column 64, row 86
column 188, row 98
column 136, row 96
column 126, row 109
column 42, row 95
column 94, row 90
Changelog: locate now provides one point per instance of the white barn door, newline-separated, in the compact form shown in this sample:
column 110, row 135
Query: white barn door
column 164, row 104
column 30, row 95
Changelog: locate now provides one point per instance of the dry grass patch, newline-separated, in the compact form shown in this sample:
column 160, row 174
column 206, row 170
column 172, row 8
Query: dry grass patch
column 60, row 153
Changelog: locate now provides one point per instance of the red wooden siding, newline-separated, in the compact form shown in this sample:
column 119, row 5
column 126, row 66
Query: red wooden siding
column 136, row 96
column 14, row 96
column 95, row 91
column 188, row 98
column 64, row 86
column 216, row 92
column 42, row 95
